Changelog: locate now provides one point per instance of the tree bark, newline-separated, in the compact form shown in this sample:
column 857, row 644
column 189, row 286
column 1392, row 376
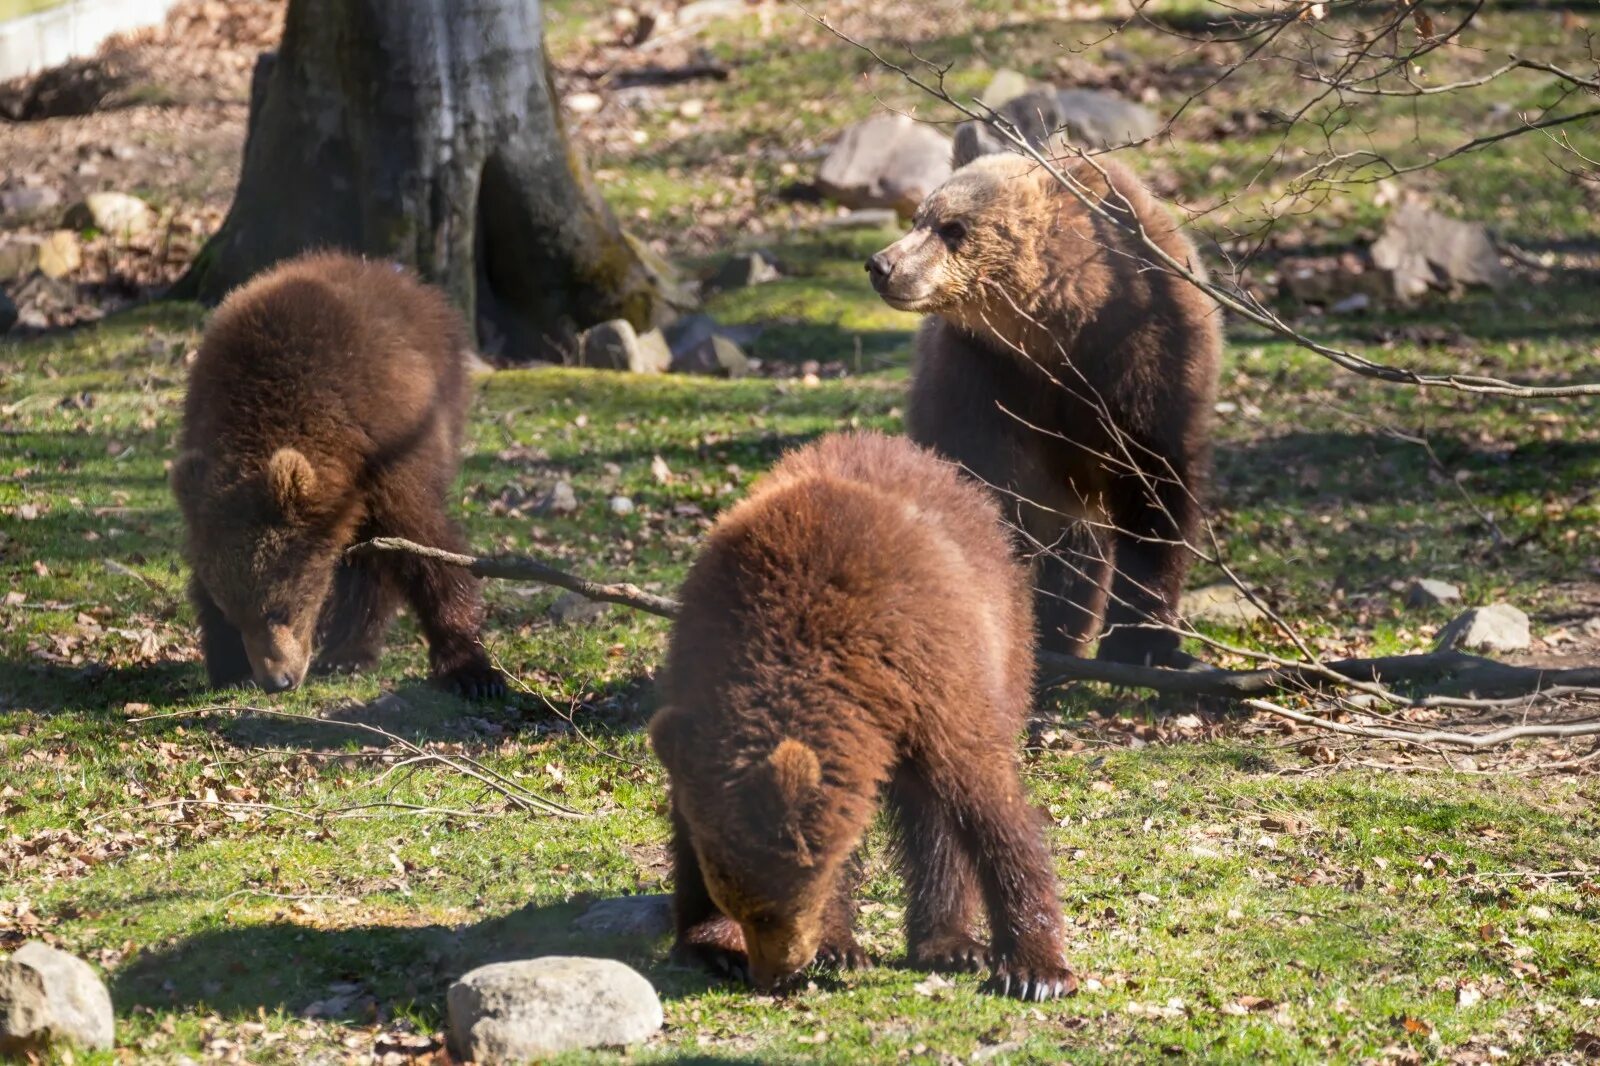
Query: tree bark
column 428, row 132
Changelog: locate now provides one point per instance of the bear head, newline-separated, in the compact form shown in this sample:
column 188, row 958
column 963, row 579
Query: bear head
column 975, row 242
column 264, row 544
column 771, row 837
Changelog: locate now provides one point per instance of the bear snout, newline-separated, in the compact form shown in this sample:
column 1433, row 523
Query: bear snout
column 880, row 266
column 278, row 661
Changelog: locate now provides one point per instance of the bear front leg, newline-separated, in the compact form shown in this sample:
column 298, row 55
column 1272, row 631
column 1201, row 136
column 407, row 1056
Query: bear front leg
column 1005, row 840
column 941, row 886
column 448, row 603
column 706, row 938
column 1154, row 523
column 227, row 664
column 839, row 949
column 356, row 619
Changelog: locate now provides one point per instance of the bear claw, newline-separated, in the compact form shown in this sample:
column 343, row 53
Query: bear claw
column 474, row 682
column 849, row 956
column 1035, row 983
column 958, row 954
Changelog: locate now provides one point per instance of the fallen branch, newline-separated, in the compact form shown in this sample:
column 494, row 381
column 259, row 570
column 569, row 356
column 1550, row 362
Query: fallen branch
column 1432, row 737
column 527, row 568
column 1450, row 671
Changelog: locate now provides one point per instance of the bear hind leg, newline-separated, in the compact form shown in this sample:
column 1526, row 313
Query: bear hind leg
column 1070, row 583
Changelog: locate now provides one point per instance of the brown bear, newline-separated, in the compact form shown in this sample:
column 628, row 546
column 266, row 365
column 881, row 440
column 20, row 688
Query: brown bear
column 1060, row 368
column 856, row 625
column 326, row 406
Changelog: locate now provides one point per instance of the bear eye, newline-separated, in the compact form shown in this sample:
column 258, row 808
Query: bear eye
column 276, row 617
column 953, row 232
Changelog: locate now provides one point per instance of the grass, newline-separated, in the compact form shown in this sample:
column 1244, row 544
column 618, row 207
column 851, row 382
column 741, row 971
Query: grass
column 1234, row 891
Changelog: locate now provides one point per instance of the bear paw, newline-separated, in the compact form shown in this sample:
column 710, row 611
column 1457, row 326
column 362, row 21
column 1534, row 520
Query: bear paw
column 713, row 958
column 954, row 953
column 843, row 954
column 1027, row 981
column 474, row 681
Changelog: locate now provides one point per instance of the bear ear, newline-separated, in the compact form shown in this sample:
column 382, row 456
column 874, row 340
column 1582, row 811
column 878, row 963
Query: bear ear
column 667, row 727
column 188, row 474
column 290, row 479
column 795, row 771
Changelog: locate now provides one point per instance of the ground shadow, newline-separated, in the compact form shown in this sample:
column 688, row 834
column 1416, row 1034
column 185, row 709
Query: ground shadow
column 358, row 972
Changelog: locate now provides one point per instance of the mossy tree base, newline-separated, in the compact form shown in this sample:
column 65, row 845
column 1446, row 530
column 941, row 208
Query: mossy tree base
column 427, row 132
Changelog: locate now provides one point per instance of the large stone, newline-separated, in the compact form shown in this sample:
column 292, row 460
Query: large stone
column 1054, row 120
column 19, row 257
column 515, row 1012
column 866, row 218
column 716, row 355
column 743, row 270
column 116, row 214
column 614, row 345
column 647, row 917
column 1006, row 85
column 1427, row 592
column 1497, row 627
column 885, row 161
column 27, row 201
column 1422, row 249
column 49, row 997
column 570, row 608
column 60, row 254
column 1222, row 603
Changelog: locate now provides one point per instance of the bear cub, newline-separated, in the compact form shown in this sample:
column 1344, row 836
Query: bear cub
column 856, row 626
column 1073, row 378
column 326, row 406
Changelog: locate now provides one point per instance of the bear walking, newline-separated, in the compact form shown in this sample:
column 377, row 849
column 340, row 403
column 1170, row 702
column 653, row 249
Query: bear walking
column 325, row 407
column 856, row 625
column 1077, row 381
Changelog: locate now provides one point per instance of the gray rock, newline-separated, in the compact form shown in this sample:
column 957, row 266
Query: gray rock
column 48, row 996
column 570, row 608
column 21, row 203
column 1005, row 86
column 885, row 161
column 614, row 345
column 646, row 917
column 1497, row 627
column 716, row 355
column 116, row 214
column 1422, row 249
column 559, row 500
column 19, row 257
column 744, row 270
column 1053, row 119
column 621, row 506
column 867, row 218
column 514, row 1012
column 1222, row 603
column 1591, row 627
column 8, row 312
column 1426, row 592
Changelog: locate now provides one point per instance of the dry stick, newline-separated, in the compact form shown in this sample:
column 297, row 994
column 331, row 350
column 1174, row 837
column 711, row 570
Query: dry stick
column 515, row 793
column 1432, row 736
column 526, row 568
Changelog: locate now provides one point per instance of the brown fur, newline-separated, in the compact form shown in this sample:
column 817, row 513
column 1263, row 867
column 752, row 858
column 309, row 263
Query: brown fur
column 325, row 407
column 856, row 625
column 1077, row 382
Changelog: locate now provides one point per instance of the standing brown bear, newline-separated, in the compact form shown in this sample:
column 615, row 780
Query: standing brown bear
column 326, row 407
column 1076, row 380
column 856, row 624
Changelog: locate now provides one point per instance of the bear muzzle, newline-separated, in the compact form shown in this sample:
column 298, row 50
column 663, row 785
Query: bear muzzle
column 278, row 660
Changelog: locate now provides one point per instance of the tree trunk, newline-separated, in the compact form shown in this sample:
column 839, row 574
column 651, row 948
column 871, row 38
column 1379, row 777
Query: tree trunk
column 428, row 132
